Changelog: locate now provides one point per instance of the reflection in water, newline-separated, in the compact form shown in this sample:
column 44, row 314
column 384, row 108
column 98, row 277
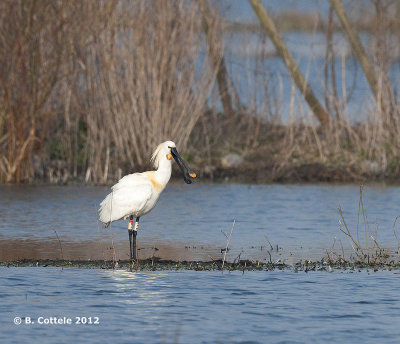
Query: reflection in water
column 140, row 288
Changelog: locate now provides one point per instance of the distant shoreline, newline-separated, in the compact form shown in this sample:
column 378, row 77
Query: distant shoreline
column 307, row 173
column 295, row 21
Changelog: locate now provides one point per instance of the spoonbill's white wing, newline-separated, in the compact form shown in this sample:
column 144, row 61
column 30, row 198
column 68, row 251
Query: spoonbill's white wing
column 128, row 197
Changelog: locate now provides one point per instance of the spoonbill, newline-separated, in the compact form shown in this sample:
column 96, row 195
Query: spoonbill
column 136, row 194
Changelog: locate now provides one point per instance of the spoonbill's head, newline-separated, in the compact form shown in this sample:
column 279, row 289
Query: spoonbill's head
column 167, row 150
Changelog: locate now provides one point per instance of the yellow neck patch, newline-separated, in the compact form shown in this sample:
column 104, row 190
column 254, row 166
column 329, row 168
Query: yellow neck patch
column 169, row 156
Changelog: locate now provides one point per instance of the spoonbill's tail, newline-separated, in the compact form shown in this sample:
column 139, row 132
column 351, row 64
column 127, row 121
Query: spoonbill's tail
column 105, row 211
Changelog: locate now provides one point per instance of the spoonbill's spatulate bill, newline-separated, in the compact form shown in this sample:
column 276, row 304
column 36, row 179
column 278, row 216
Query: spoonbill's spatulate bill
column 136, row 194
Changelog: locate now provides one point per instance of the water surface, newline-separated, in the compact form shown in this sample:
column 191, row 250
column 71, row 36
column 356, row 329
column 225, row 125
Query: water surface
column 192, row 306
column 190, row 221
column 201, row 307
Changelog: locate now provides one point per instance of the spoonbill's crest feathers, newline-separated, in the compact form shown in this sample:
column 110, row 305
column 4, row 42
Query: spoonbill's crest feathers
column 161, row 150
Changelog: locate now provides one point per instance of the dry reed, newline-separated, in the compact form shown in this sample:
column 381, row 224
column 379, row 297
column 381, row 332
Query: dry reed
column 369, row 250
column 228, row 240
column 88, row 89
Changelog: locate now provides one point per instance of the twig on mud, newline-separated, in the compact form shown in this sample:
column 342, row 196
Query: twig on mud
column 113, row 247
column 345, row 229
column 266, row 238
column 372, row 251
column 98, row 232
column 154, row 250
column 376, row 243
column 365, row 219
column 270, row 256
column 112, row 234
column 272, row 248
column 212, row 259
column 394, row 228
column 331, row 252
column 62, row 254
column 114, row 256
column 341, row 245
column 237, row 259
column 228, row 239
column 332, row 255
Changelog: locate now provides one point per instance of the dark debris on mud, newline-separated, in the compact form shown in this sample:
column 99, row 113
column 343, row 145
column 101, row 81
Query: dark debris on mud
column 216, row 265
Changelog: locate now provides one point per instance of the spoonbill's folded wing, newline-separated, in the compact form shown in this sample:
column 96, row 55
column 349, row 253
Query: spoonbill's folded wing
column 128, row 197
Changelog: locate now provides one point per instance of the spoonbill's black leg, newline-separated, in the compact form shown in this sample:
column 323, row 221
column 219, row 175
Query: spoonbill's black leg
column 130, row 232
column 132, row 237
column 135, row 229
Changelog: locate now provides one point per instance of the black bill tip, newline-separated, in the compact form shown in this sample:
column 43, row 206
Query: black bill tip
column 188, row 174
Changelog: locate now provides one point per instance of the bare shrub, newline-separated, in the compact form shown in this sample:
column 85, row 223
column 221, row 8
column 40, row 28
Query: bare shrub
column 89, row 88
column 146, row 83
column 111, row 80
column 32, row 38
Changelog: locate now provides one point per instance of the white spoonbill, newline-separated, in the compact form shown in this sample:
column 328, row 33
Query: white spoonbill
column 136, row 194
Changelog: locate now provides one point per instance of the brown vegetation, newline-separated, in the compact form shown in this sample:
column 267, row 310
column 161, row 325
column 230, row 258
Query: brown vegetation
column 88, row 89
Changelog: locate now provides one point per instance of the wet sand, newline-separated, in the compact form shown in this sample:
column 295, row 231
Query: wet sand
column 15, row 249
column 158, row 256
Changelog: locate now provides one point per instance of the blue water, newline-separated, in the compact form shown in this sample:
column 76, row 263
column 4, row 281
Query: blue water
column 262, row 81
column 201, row 307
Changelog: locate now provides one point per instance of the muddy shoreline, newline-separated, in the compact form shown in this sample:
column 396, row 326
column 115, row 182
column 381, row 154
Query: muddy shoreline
column 156, row 264
column 261, row 173
column 167, row 257
column 306, row 173
column 102, row 250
